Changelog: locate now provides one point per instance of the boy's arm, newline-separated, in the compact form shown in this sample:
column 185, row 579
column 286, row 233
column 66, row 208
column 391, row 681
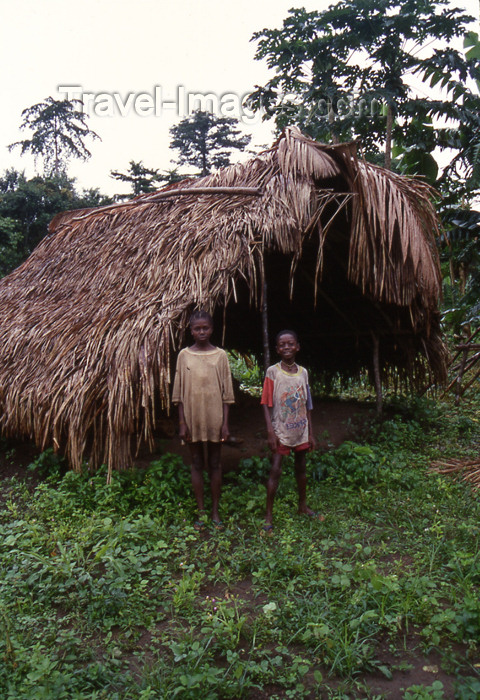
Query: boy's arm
column 309, row 406
column 183, row 430
column 267, row 404
column 225, row 429
column 272, row 439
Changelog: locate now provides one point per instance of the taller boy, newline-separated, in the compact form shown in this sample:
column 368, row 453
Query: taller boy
column 287, row 406
column 203, row 391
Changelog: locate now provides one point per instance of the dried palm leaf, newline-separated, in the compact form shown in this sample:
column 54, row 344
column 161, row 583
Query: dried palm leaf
column 89, row 321
column 468, row 470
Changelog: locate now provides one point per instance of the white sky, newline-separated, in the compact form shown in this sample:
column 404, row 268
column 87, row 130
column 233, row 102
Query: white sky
column 128, row 47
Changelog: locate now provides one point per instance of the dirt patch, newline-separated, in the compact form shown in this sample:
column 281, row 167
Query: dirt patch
column 333, row 423
column 408, row 667
column 15, row 458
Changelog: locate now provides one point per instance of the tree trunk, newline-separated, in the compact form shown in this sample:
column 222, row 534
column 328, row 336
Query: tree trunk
column 388, row 137
column 458, row 382
column 331, row 120
column 56, row 167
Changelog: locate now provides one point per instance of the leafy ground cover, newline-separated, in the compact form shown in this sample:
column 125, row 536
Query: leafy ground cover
column 109, row 591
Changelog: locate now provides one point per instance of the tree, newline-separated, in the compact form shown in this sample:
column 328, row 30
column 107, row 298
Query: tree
column 144, row 179
column 27, row 207
column 207, row 141
column 141, row 179
column 171, row 175
column 345, row 73
column 386, row 72
column 59, row 132
column 11, row 252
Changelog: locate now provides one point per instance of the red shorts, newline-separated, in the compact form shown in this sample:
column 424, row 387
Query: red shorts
column 285, row 449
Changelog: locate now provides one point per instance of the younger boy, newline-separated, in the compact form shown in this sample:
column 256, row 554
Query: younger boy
column 287, row 407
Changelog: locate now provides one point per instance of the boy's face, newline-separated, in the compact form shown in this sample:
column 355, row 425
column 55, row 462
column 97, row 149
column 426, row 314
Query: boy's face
column 201, row 330
column 287, row 347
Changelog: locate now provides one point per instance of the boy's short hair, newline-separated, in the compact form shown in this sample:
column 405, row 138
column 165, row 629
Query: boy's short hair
column 200, row 315
column 285, row 332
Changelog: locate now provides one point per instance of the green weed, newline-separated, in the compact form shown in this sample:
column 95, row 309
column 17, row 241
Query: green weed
column 107, row 591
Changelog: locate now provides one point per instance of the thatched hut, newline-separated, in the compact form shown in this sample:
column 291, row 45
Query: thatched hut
column 345, row 250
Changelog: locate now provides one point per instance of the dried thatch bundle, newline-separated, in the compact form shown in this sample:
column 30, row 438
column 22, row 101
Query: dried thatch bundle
column 468, row 470
column 89, row 320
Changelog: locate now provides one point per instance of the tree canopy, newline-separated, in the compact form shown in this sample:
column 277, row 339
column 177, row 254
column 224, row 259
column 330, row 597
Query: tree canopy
column 140, row 178
column 206, row 141
column 392, row 75
column 27, row 207
column 351, row 71
column 143, row 179
column 58, row 133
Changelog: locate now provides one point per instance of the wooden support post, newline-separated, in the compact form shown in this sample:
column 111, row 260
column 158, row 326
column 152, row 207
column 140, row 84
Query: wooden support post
column 266, row 345
column 376, row 373
column 458, row 389
column 469, row 384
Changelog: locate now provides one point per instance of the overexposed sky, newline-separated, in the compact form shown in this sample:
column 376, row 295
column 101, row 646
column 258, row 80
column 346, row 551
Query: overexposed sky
column 154, row 52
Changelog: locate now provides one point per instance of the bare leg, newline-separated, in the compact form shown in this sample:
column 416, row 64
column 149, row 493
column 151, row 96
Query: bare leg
column 301, row 477
column 196, row 471
column 215, row 471
column 272, row 486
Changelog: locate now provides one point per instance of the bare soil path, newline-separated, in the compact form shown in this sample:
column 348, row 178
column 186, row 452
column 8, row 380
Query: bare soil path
column 333, row 423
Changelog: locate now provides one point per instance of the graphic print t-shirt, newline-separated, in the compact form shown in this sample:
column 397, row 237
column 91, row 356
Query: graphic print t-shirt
column 289, row 397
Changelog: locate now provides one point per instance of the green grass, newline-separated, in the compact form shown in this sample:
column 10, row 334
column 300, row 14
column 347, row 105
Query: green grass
column 109, row 592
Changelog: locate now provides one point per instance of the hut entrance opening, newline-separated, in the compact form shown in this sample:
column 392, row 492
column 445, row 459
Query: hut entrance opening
column 336, row 329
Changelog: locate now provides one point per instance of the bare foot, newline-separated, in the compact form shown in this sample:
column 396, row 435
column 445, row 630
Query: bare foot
column 311, row 514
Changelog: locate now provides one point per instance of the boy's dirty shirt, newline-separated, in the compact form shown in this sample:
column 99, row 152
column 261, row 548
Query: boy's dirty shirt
column 203, row 383
column 288, row 395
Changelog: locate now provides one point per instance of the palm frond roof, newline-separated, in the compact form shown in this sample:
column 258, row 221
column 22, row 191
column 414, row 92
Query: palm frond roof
column 89, row 321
